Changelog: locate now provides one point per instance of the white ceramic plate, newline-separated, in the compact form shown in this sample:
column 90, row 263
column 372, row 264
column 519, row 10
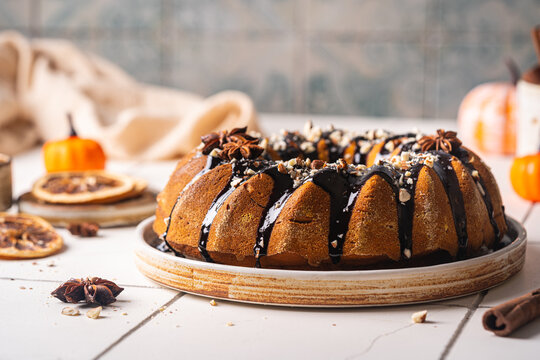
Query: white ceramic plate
column 331, row 288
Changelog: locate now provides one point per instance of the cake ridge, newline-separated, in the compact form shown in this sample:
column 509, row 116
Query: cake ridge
column 464, row 157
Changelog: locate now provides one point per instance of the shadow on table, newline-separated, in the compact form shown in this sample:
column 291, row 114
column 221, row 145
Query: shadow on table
column 526, row 280
column 531, row 330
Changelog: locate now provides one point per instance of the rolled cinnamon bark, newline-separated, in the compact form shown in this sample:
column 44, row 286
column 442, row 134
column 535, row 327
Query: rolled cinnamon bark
column 506, row 318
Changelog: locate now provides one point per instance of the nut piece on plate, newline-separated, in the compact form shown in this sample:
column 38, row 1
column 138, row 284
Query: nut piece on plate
column 94, row 313
column 27, row 236
column 419, row 317
column 86, row 187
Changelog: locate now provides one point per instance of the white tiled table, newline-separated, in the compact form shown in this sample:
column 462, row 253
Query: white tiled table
column 162, row 323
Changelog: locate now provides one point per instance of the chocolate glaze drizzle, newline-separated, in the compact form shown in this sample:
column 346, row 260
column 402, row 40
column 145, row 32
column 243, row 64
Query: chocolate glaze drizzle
column 238, row 168
column 340, row 191
column 281, row 191
column 358, row 156
column 209, row 218
column 449, row 179
column 344, row 188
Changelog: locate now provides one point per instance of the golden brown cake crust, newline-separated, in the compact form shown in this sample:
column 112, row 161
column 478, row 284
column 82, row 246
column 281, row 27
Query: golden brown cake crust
column 425, row 205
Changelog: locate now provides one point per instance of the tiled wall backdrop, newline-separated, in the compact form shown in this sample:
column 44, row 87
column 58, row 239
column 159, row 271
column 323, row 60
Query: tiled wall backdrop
column 412, row 58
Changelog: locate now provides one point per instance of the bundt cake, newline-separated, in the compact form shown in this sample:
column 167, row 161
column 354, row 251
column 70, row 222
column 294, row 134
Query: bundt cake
column 330, row 199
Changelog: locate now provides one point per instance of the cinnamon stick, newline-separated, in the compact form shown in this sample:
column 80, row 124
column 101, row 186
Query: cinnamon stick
column 506, row 318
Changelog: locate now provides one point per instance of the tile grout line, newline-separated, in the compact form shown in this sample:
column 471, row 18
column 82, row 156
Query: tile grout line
column 138, row 326
column 528, row 213
column 60, row 281
column 462, row 324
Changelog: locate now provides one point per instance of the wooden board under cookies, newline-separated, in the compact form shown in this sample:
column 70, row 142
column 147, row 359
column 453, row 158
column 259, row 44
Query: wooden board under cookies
column 123, row 213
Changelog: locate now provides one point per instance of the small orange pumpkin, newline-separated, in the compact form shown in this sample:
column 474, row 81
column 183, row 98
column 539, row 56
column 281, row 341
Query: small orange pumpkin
column 73, row 154
column 525, row 177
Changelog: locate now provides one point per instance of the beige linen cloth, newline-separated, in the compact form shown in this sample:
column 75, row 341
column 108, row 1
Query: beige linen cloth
column 41, row 81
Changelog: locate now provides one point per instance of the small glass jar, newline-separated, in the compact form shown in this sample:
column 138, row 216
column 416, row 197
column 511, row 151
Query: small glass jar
column 6, row 195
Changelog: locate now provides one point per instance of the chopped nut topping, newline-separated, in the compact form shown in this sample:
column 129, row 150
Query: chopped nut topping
column 405, row 156
column 307, row 147
column 94, row 313
column 429, row 161
column 213, row 302
column 317, row 164
column 407, row 253
column 70, row 311
column 366, row 147
column 419, row 317
column 215, row 153
column 404, row 195
column 236, row 181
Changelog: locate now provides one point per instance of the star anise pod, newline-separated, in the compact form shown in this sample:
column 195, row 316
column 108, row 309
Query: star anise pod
column 92, row 290
column 247, row 149
column 218, row 140
column 444, row 140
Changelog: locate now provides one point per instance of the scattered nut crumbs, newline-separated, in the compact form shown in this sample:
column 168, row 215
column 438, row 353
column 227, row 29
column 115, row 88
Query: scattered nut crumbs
column 407, row 253
column 84, row 229
column 162, row 308
column 213, row 302
column 22, row 287
column 230, row 324
column 419, row 317
column 94, row 313
column 124, row 313
column 69, row 311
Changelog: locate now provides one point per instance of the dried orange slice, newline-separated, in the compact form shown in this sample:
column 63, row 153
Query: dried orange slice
column 139, row 186
column 27, row 236
column 84, row 187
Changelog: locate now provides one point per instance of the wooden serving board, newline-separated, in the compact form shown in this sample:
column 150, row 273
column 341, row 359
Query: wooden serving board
column 331, row 288
column 123, row 213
